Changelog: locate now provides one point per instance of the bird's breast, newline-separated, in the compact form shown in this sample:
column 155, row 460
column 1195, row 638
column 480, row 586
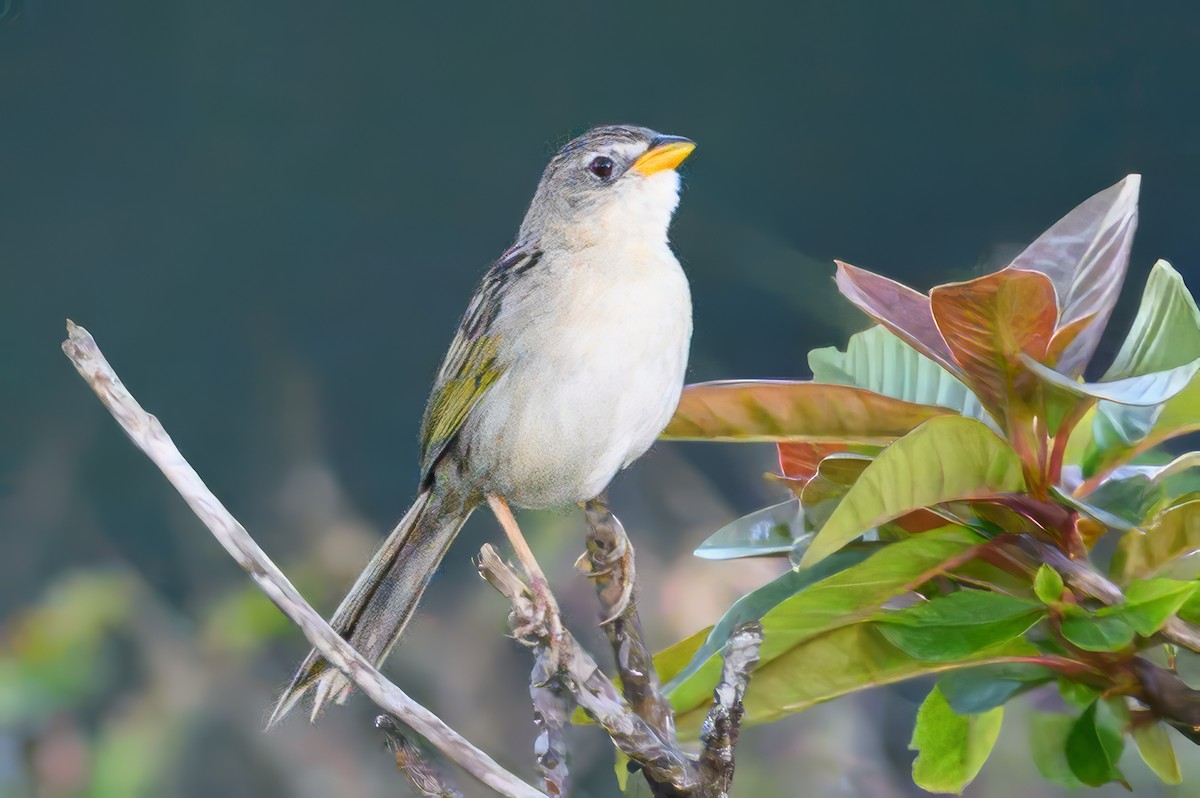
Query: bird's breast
column 596, row 350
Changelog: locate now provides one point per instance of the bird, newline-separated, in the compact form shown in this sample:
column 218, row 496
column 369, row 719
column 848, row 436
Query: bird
column 566, row 366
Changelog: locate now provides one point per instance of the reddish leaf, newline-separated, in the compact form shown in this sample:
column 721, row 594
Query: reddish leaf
column 1086, row 254
column 989, row 322
column 902, row 310
column 800, row 460
column 920, row 521
column 750, row 410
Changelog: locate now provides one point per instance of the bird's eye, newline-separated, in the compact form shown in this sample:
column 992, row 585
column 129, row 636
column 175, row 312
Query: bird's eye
column 601, row 166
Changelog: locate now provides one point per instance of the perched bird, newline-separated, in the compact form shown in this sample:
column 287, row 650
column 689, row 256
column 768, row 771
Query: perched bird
column 566, row 366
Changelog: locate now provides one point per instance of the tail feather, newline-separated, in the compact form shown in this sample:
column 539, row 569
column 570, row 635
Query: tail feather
column 374, row 613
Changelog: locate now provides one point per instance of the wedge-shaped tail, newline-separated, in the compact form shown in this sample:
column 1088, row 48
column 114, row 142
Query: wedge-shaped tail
column 375, row 611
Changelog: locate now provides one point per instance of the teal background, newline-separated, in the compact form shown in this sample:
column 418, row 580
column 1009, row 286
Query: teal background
column 271, row 214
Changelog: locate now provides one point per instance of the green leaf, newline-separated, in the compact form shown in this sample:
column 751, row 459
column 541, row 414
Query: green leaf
column 1048, row 584
column 905, row 312
column 693, row 682
column 833, row 479
column 878, row 361
column 750, row 410
column 842, row 661
column 771, row 530
column 1165, row 331
column 1190, row 611
column 1150, row 603
column 989, row 322
column 1077, row 693
column 1165, row 335
column 1154, row 745
column 951, row 748
column 976, row 690
column 844, row 589
column 945, row 459
column 1143, row 390
column 1086, row 255
column 1173, row 534
column 959, row 625
column 1094, row 745
column 1098, row 514
column 1048, row 741
column 671, row 660
column 1125, row 495
column 1094, row 632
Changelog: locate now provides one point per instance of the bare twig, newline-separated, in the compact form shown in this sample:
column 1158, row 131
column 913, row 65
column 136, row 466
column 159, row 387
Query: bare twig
column 427, row 780
column 609, row 562
column 722, row 726
column 552, row 708
column 149, row 436
column 591, row 689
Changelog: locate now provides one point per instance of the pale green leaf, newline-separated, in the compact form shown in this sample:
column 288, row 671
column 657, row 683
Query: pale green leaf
column 1154, row 745
column 1048, row 744
column 945, row 459
column 1165, row 335
column 951, row 748
column 842, row 661
column 769, row 531
column 876, row 359
column 1150, row 603
column 1048, row 584
column 1142, row 390
column 1170, row 536
column 1166, row 330
column 843, row 589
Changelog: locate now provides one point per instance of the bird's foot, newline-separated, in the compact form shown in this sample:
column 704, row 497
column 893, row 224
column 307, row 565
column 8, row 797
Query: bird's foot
column 608, row 559
column 543, row 618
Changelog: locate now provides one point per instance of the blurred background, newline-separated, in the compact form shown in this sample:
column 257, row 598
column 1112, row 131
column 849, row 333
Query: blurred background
column 271, row 215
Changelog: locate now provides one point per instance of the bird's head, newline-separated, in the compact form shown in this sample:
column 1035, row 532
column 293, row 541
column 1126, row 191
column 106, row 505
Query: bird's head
column 615, row 179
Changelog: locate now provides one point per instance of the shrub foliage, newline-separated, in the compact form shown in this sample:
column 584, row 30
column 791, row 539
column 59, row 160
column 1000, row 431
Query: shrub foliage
column 967, row 506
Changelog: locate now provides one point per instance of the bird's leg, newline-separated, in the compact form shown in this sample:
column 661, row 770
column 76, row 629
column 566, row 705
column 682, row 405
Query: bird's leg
column 609, row 557
column 546, row 605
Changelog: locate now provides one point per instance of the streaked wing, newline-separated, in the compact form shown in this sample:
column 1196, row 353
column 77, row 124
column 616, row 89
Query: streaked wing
column 471, row 365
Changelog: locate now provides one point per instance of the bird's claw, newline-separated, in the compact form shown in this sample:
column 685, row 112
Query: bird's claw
column 542, row 618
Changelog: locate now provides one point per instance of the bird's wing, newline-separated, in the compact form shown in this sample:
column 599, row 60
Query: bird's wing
column 471, row 365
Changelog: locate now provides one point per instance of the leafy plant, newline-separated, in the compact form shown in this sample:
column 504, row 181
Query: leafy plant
column 953, row 456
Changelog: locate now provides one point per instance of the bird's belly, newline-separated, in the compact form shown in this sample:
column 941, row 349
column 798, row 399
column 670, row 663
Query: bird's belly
column 585, row 397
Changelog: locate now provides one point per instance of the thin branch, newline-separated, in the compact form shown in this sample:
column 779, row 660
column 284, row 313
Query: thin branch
column 149, row 436
column 591, row 689
column 425, row 778
column 609, row 562
column 723, row 723
column 552, row 708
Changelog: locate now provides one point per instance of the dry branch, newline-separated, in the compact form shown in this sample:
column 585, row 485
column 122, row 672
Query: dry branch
column 149, row 436
column 425, row 778
column 552, row 708
column 591, row 689
column 723, row 722
column 609, row 563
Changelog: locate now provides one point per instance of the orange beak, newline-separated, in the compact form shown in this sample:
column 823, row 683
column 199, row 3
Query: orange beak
column 666, row 152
